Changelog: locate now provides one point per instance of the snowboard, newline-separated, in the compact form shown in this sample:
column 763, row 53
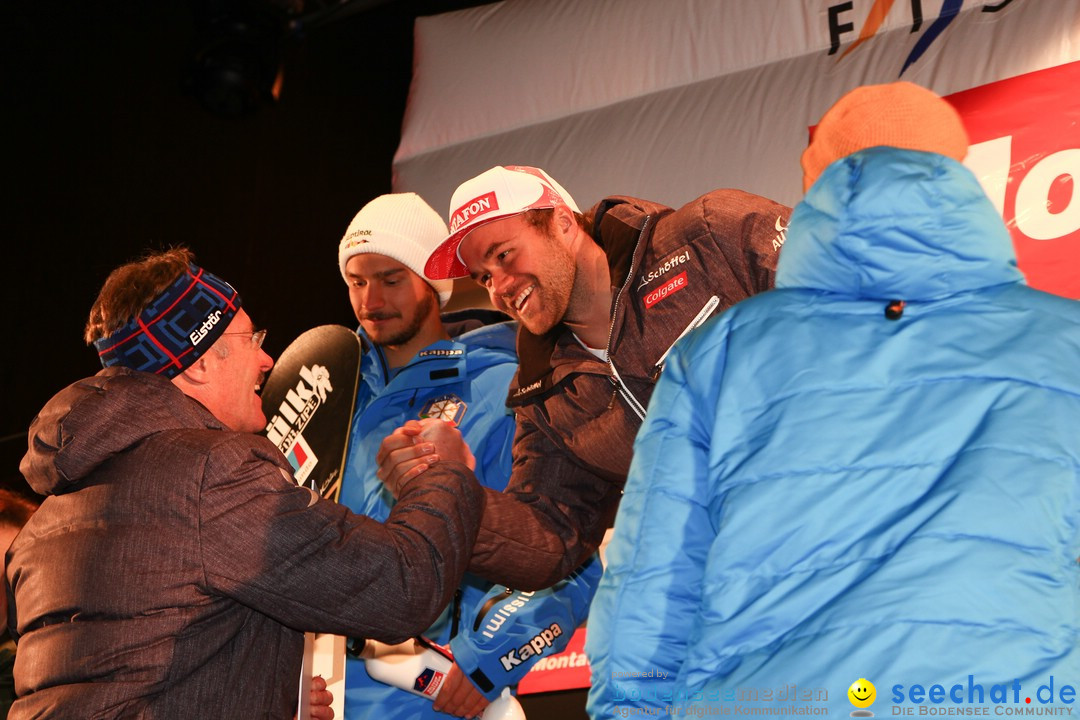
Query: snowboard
column 308, row 400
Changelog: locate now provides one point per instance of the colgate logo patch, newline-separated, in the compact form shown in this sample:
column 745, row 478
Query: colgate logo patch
column 668, row 289
column 473, row 209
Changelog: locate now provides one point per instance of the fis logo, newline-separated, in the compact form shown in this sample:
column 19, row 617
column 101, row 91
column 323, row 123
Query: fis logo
column 536, row 646
column 301, row 457
column 840, row 25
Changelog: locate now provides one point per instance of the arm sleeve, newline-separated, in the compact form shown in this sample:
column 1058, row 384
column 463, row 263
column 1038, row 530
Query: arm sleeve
column 748, row 231
column 551, row 517
column 314, row 566
column 509, row 631
column 645, row 610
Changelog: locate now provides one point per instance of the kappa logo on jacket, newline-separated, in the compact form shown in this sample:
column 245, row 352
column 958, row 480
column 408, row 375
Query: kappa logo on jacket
column 437, row 352
column 535, row 646
column 445, row 407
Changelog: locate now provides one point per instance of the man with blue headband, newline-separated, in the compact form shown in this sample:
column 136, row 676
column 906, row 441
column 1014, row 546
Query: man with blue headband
column 174, row 565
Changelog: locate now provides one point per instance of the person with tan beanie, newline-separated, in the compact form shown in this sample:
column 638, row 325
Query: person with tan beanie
column 900, row 114
column 866, row 477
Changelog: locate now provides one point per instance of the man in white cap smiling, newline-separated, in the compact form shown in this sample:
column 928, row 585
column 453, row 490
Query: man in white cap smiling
column 418, row 363
column 600, row 299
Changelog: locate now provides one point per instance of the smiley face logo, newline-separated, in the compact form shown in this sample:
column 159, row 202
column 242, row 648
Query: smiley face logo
column 862, row 693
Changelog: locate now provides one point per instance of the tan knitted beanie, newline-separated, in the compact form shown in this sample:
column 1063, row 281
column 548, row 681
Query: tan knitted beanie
column 899, row 114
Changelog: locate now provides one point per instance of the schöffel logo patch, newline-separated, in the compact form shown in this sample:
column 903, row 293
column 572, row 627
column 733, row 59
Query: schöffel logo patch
column 473, row 209
column 663, row 268
column 445, row 407
column 666, row 290
column 781, row 234
column 522, row 391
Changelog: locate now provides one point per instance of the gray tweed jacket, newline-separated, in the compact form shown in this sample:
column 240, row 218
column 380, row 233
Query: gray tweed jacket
column 174, row 565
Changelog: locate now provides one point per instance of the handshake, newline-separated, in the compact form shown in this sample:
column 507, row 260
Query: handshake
column 416, row 446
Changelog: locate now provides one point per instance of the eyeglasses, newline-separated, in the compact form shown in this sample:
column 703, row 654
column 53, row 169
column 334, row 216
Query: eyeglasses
column 257, row 337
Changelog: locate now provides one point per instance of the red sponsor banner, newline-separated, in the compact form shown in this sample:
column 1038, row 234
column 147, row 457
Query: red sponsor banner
column 671, row 287
column 1025, row 149
column 569, row 670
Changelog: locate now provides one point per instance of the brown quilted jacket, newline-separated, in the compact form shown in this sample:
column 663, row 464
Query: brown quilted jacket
column 577, row 415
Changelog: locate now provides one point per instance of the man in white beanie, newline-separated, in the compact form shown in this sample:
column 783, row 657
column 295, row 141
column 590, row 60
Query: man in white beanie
column 419, row 364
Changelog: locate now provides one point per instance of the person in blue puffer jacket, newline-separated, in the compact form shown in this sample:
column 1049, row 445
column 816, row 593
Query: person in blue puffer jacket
column 867, row 479
column 417, row 364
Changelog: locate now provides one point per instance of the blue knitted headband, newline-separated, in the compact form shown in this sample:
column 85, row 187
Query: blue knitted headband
column 176, row 328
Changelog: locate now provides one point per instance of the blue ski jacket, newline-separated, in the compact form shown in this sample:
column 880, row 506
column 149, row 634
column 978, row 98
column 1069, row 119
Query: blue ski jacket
column 462, row 379
column 831, row 487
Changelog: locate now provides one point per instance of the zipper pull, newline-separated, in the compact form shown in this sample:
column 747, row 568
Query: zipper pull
column 697, row 322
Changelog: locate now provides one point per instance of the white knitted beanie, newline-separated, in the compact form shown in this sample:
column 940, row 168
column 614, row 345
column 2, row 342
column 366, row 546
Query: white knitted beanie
column 400, row 226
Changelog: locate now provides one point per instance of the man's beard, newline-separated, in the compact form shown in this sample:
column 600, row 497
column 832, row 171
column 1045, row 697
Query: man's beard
column 420, row 313
column 554, row 289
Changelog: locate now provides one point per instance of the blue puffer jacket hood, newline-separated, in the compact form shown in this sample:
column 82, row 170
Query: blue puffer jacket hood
column 875, row 214
column 823, row 494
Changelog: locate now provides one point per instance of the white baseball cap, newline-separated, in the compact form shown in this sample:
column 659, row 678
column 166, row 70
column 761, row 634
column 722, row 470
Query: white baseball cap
column 492, row 195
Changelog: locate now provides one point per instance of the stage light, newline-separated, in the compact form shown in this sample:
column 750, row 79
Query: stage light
column 236, row 66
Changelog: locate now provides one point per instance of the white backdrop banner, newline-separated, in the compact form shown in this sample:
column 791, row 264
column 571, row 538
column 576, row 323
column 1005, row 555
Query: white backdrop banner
column 668, row 100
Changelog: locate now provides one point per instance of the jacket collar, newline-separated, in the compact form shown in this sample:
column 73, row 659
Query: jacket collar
column 472, row 331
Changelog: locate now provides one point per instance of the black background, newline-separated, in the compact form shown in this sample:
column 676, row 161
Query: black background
column 108, row 151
